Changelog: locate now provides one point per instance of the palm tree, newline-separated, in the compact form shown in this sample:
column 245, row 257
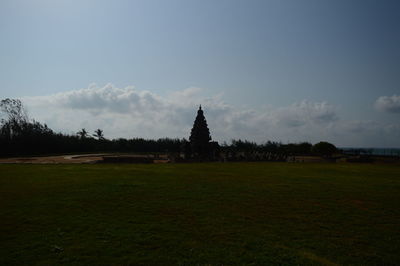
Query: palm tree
column 98, row 134
column 83, row 133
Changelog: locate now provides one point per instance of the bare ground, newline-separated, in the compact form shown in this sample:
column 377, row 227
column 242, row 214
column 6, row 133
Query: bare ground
column 87, row 158
column 73, row 159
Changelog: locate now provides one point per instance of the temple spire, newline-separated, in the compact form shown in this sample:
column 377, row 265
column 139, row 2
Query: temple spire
column 200, row 135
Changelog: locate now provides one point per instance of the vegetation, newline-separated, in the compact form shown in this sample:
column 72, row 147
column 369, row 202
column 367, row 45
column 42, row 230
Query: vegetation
column 324, row 148
column 200, row 214
column 21, row 136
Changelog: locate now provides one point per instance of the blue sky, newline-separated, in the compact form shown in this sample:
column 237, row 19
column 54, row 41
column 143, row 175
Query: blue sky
column 253, row 56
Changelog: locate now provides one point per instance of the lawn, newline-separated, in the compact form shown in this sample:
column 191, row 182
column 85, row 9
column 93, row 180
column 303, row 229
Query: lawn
column 200, row 214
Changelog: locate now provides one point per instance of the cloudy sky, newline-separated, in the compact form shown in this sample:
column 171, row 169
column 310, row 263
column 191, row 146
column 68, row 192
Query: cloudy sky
column 281, row 70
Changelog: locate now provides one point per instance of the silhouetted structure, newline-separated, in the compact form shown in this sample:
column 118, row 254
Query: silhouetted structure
column 200, row 137
column 20, row 135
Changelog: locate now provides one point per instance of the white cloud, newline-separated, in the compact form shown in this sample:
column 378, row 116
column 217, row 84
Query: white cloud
column 129, row 112
column 304, row 113
column 390, row 104
column 120, row 112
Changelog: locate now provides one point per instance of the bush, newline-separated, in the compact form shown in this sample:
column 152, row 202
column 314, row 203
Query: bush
column 324, row 148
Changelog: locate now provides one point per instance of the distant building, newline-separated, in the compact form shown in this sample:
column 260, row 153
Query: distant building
column 200, row 138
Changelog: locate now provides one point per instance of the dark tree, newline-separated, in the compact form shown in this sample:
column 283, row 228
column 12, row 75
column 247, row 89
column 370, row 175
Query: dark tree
column 200, row 136
column 324, row 148
column 98, row 134
column 82, row 134
column 187, row 151
column 14, row 110
column 303, row 148
column 13, row 118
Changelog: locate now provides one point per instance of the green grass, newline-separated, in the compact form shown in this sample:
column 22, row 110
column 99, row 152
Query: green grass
column 200, row 214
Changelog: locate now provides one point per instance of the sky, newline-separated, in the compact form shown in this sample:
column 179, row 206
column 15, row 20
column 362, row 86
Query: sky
column 280, row 70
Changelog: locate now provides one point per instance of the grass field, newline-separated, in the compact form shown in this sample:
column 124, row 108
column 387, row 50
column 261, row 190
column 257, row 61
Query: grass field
column 200, row 214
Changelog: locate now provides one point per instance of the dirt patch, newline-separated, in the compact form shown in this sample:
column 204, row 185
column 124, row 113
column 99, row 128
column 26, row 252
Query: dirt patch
column 89, row 158
column 85, row 158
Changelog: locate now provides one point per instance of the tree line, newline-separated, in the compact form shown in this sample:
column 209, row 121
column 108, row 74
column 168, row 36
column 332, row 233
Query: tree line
column 22, row 136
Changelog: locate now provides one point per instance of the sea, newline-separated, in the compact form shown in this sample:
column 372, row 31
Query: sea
column 372, row 151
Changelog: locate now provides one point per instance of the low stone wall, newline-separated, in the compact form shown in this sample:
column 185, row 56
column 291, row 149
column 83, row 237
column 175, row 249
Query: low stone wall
column 127, row 159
